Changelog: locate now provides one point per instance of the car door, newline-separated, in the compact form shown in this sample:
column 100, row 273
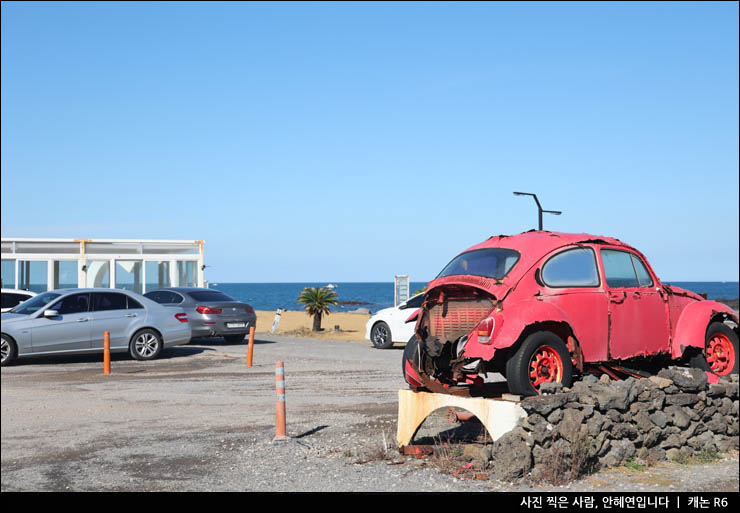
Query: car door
column 68, row 331
column 401, row 330
column 572, row 283
column 638, row 314
column 111, row 313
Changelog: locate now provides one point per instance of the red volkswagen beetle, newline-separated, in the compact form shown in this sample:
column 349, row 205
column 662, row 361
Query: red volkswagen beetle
column 539, row 306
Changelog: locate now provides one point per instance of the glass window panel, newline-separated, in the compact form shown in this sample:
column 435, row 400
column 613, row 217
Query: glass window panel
column 98, row 273
column 11, row 300
column 8, row 274
column 571, row 268
column 108, row 301
column 75, row 303
column 157, row 275
column 492, row 263
column 209, row 295
column 47, row 247
column 112, row 248
column 65, row 274
column 133, row 304
column 643, row 275
column 618, row 269
column 164, row 248
column 35, row 303
column 32, row 275
column 128, row 275
column 186, row 273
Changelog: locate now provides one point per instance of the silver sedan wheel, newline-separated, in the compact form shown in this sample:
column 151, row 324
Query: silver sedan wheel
column 146, row 345
column 5, row 350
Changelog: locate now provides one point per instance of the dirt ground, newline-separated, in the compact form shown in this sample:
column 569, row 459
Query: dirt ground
column 199, row 419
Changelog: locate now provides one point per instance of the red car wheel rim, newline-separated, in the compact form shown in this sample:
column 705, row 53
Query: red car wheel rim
column 545, row 366
column 720, row 354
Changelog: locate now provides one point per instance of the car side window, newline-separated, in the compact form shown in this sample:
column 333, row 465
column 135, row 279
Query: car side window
column 133, row 304
column 103, row 301
column 9, row 300
column 76, row 303
column 643, row 276
column 155, row 296
column 619, row 271
column 572, row 268
column 174, row 298
column 415, row 302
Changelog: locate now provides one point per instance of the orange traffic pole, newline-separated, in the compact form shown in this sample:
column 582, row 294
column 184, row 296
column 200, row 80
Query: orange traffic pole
column 106, row 352
column 250, row 351
column 280, row 404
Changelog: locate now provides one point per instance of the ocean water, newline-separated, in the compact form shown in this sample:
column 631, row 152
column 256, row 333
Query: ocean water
column 376, row 296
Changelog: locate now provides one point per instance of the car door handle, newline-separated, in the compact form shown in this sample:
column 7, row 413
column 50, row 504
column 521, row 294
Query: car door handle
column 636, row 295
column 130, row 315
column 82, row 320
column 617, row 297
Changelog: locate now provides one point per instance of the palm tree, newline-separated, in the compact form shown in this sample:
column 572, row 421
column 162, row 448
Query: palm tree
column 316, row 301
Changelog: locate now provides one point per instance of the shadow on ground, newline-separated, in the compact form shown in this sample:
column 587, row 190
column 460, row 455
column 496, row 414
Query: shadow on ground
column 221, row 342
column 169, row 353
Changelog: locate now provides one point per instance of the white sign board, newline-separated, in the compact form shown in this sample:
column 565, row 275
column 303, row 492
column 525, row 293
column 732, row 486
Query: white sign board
column 400, row 289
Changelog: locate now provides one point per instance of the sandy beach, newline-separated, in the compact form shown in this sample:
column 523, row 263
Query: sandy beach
column 298, row 323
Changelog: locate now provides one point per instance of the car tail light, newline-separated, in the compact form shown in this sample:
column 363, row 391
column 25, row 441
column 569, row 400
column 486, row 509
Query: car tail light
column 208, row 310
column 485, row 330
column 412, row 378
column 182, row 317
column 249, row 309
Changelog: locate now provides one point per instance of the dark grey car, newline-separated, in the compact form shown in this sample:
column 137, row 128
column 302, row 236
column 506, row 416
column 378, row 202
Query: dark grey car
column 211, row 313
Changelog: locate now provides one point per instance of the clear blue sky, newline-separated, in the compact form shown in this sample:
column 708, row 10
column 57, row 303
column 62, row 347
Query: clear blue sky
column 352, row 142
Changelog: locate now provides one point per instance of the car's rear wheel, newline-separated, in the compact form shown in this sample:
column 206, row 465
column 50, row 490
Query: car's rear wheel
column 721, row 349
column 542, row 358
column 7, row 350
column 380, row 336
column 145, row 345
column 234, row 339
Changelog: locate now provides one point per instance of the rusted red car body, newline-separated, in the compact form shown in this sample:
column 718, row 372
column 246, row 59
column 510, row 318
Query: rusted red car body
column 474, row 323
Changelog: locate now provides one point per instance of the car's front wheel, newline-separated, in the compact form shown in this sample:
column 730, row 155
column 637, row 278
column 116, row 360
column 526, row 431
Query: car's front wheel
column 380, row 336
column 146, row 344
column 7, row 350
column 721, row 349
column 542, row 358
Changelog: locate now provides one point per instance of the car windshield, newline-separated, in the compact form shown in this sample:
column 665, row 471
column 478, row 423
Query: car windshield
column 209, row 295
column 36, row 303
column 491, row 263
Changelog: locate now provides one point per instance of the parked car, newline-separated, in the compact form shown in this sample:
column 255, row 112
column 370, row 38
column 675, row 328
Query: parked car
column 389, row 325
column 72, row 321
column 211, row 312
column 539, row 306
column 14, row 297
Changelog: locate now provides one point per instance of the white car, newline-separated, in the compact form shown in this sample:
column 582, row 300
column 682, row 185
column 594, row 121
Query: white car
column 389, row 325
column 14, row 297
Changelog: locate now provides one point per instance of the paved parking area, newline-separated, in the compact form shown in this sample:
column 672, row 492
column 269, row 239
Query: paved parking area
column 198, row 419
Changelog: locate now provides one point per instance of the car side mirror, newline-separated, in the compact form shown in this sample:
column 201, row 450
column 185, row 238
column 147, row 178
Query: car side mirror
column 538, row 278
column 403, row 306
column 51, row 313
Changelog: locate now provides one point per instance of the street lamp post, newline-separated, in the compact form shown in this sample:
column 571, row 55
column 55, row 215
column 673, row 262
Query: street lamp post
column 539, row 207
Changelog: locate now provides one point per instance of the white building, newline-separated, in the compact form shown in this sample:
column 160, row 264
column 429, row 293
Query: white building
column 137, row 265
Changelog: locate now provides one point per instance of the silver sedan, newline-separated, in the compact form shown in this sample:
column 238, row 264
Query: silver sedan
column 72, row 321
column 211, row 312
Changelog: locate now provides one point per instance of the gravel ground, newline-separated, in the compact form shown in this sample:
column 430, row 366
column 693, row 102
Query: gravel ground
column 198, row 419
